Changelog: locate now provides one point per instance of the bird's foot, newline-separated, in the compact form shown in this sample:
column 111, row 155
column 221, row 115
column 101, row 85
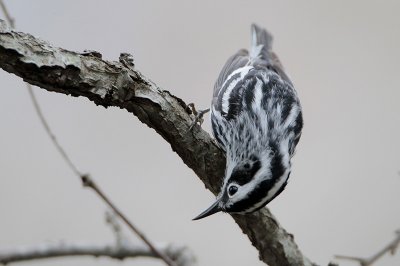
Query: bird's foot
column 198, row 119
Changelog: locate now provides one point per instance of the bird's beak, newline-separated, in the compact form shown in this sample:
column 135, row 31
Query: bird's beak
column 211, row 210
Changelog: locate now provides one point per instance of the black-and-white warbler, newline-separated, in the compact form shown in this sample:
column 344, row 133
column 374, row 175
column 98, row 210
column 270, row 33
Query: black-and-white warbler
column 256, row 118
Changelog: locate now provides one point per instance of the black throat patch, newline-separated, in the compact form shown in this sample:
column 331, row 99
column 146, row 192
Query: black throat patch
column 257, row 195
column 245, row 171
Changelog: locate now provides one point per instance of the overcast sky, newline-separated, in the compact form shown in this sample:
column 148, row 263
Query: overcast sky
column 343, row 196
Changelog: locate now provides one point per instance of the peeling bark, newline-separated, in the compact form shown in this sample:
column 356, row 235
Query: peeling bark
column 118, row 84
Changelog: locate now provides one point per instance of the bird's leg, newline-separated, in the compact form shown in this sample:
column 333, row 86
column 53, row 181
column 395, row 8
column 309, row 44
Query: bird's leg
column 198, row 119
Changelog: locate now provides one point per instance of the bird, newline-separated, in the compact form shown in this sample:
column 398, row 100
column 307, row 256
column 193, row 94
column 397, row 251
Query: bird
column 256, row 119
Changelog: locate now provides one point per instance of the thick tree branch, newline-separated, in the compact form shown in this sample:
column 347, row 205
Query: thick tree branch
column 181, row 255
column 118, row 84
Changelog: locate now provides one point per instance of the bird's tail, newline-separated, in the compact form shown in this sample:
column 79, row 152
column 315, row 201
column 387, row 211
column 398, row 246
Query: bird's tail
column 261, row 51
column 261, row 43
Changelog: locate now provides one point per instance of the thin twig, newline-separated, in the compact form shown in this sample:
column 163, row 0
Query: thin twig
column 182, row 254
column 9, row 19
column 49, row 132
column 391, row 247
column 112, row 221
column 87, row 181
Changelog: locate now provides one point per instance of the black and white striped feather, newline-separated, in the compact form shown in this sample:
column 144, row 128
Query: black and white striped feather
column 257, row 119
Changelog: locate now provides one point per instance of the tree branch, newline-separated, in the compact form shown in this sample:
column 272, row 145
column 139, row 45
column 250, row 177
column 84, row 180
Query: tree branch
column 118, row 84
column 181, row 255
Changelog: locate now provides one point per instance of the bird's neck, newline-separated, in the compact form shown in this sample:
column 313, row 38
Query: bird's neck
column 273, row 154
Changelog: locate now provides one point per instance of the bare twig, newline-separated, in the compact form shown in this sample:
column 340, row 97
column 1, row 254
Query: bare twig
column 88, row 182
column 49, row 132
column 9, row 19
column 112, row 221
column 181, row 254
column 391, row 247
column 69, row 162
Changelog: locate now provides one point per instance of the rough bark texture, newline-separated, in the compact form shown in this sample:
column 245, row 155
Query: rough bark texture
column 117, row 84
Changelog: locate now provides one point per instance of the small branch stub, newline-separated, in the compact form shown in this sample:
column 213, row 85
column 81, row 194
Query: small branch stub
column 87, row 181
column 127, row 60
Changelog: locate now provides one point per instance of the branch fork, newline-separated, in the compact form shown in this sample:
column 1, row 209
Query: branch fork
column 109, row 83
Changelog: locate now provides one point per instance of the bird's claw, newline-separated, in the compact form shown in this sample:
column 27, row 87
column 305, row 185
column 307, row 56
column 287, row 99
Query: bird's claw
column 198, row 119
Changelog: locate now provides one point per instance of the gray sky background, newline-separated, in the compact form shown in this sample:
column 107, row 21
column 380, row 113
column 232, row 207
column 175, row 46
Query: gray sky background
column 343, row 196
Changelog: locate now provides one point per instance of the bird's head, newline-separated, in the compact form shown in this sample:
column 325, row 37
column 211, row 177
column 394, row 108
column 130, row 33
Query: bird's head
column 250, row 183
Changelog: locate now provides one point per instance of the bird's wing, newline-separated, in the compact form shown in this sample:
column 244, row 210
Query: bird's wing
column 236, row 61
column 238, row 65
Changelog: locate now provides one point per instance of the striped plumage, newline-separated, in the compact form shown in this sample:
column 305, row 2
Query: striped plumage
column 257, row 120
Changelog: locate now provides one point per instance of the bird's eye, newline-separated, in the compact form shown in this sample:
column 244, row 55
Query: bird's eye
column 246, row 165
column 232, row 190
